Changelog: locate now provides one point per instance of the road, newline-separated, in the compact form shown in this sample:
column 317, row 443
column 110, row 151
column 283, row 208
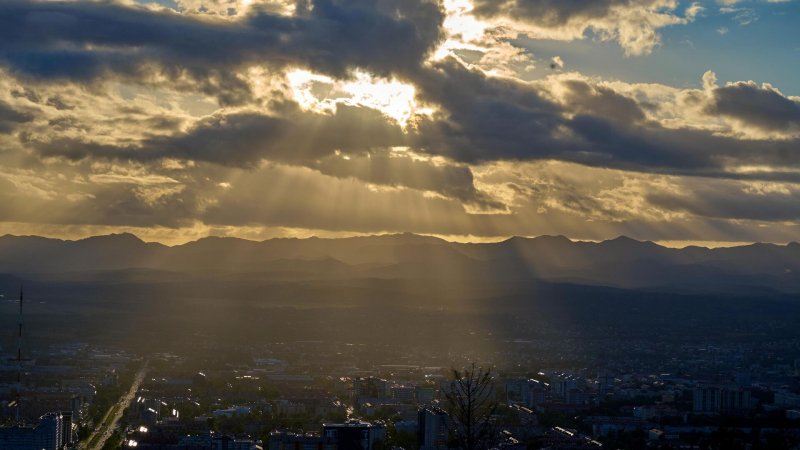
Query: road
column 108, row 427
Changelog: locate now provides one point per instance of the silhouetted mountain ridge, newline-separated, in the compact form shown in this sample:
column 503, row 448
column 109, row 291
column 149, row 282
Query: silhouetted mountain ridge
column 620, row 262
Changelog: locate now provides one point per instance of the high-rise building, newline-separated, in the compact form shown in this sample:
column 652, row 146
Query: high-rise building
column 370, row 387
column 48, row 434
column 432, row 429
column 51, row 431
column 705, row 399
column 424, row 394
column 354, row 434
column 716, row 399
column 562, row 384
column 605, row 382
column 527, row 392
column 66, row 428
column 516, row 391
column 735, row 400
column 403, row 393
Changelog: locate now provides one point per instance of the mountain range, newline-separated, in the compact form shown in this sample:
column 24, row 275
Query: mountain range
column 620, row 263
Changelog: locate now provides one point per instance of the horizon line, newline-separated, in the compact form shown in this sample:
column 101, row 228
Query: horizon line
column 454, row 239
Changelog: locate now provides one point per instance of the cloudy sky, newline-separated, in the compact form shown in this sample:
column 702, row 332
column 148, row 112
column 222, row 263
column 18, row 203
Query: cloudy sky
column 663, row 120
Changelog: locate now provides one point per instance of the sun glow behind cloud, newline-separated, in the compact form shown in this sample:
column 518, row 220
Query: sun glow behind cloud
column 464, row 30
column 481, row 44
column 222, row 9
column 321, row 93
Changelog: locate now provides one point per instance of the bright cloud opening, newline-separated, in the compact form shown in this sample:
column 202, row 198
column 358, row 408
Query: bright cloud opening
column 321, row 93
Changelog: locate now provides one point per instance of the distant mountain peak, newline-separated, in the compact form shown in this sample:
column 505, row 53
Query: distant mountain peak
column 408, row 237
column 625, row 243
column 629, row 241
column 30, row 237
column 543, row 237
column 622, row 261
column 623, row 238
column 113, row 237
column 554, row 238
column 223, row 238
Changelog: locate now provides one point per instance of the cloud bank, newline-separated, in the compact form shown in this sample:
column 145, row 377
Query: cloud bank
column 365, row 116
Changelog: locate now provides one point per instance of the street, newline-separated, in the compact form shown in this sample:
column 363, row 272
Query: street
column 108, row 426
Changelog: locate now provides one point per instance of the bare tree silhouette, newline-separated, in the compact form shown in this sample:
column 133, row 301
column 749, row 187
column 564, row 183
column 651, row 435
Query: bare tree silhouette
column 471, row 404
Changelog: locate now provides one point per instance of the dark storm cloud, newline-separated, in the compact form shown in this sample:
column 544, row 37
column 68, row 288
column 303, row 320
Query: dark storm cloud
column 10, row 118
column 481, row 119
column 550, row 13
column 245, row 139
column 585, row 98
column 654, row 148
column 384, row 168
column 487, row 119
column 760, row 107
column 86, row 41
column 725, row 201
column 32, row 96
column 296, row 137
column 634, row 24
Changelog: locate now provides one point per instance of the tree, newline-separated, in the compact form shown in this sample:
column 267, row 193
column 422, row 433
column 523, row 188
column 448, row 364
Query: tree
column 471, row 404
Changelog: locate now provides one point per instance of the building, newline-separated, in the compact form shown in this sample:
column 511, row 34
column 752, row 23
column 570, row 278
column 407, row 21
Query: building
column 716, row 399
column 67, row 435
column 516, row 391
column 735, row 400
column 48, row 434
column 280, row 440
column 705, row 399
column 351, row 435
column 432, row 432
column 523, row 422
column 370, row 387
column 562, row 385
column 654, row 412
column 528, row 392
column 354, row 434
column 605, row 382
column 403, row 393
column 424, row 394
column 232, row 411
column 564, row 438
column 605, row 425
column 230, row 443
column 787, row 399
column 51, row 432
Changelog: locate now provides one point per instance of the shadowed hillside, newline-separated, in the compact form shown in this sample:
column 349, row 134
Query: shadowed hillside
column 621, row 262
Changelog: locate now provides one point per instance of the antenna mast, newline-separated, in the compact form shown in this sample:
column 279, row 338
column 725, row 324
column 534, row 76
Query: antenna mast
column 19, row 354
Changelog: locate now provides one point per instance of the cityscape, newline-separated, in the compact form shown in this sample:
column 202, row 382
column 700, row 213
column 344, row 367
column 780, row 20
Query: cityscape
column 333, row 395
column 399, row 224
column 304, row 355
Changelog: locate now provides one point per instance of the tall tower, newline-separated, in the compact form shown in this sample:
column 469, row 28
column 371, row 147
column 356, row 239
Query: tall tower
column 19, row 353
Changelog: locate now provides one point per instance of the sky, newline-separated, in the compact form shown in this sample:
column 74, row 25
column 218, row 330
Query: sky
column 474, row 120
